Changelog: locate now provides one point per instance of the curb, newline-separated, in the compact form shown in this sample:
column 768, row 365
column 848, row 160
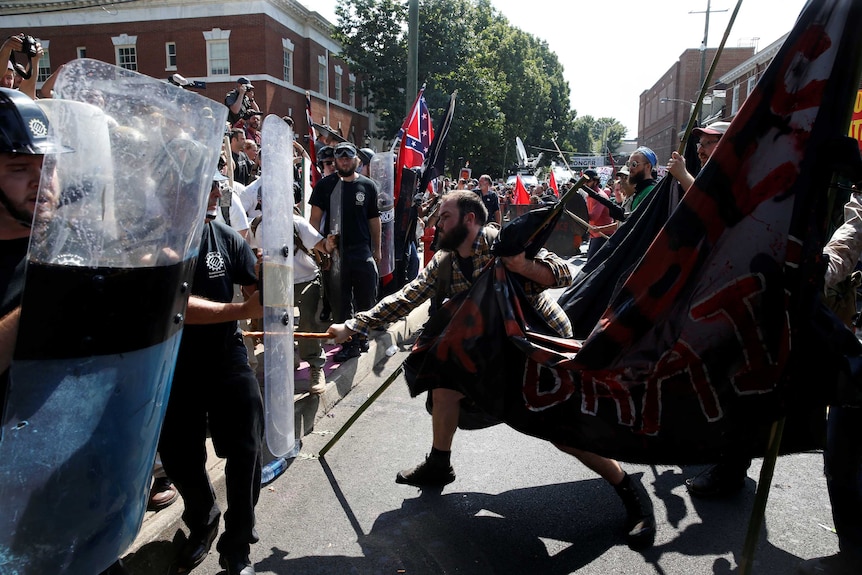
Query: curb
column 340, row 379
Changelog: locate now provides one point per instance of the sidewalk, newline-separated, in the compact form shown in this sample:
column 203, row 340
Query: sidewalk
column 340, row 379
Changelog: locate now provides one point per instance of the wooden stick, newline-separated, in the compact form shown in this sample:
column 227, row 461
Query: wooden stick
column 299, row 334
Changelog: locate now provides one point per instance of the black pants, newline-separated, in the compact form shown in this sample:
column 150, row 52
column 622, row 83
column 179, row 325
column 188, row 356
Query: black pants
column 358, row 292
column 220, row 390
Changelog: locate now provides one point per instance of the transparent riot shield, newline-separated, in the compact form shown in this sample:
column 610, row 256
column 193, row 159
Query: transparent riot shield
column 111, row 253
column 277, row 270
column 382, row 170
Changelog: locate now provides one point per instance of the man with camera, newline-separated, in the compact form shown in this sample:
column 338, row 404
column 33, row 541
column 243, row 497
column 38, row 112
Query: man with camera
column 240, row 101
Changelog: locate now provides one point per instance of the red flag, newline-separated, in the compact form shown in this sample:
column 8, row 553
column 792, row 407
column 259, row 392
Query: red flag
column 552, row 183
column 312, row 151
column 613, row 164
column 520, row 196
column 415, row 137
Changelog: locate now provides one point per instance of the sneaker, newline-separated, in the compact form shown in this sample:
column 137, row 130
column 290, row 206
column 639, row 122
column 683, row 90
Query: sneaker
column 347, row 351
column 720, row 480
column 316, row 383
column 236, row 564
column 427, row 474
column 162, row 494
column 837, row 564
column 640, row 519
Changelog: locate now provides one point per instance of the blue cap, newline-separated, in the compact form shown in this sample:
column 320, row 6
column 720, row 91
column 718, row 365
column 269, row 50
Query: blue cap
column 648, row 154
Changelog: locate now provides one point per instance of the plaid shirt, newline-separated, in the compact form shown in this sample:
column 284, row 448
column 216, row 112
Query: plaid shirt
column 399, row 305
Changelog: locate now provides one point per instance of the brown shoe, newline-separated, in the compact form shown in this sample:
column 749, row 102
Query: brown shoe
column 316, row 383
column 162, row 494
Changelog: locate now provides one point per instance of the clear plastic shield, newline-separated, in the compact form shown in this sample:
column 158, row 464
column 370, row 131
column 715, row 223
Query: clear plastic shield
column 277, row 241
column 382, row 170
column 111, row 254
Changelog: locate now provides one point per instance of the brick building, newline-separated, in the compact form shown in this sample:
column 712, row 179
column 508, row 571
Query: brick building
column 665, row 107
column 281, row 46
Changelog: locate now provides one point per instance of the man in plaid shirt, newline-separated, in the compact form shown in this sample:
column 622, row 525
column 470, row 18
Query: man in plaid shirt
column 461, row 232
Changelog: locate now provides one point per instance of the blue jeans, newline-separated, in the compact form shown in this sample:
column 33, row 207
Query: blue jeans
column 842, row 460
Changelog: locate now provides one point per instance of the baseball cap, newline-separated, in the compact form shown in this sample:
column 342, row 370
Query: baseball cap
column 246, row 81
column 624, row 171
column 591, row 174
column 714, row 129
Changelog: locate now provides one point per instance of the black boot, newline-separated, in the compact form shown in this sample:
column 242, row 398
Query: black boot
column 640, row 520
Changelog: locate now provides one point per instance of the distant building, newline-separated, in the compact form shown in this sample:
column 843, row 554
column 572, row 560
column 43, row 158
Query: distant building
column 666, row 107
column 281, row 46
column 740, row 81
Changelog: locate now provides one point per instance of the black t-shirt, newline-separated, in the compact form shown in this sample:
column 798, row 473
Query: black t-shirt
column 492, row 204
column 230, row 100
column 225, row 259
column 358, row 205
column 242, row 171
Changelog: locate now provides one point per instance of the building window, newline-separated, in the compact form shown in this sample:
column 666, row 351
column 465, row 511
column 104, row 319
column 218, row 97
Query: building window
column 338, row 71
column 127, row 57
column 287, row 60
column 351, row 88
column 218, row 52
column 126, row 52
column 44, row 70
column 81, row 51
column 734, row 103
column 170, row 56
column 752, row 82
column 321, row 75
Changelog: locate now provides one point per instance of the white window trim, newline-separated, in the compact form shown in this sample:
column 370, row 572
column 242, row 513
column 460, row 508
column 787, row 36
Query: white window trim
column 78, row 52
column 125, row 41
column 213, row 36
column 288, row 46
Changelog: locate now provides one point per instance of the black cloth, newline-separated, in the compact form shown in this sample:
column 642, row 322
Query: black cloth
column 13, row 259
column 214, row 387
column 492, row 204
column 244, row 168
column 358, row 205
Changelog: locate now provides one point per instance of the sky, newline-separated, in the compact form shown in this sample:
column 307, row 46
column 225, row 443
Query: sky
column 612, row 50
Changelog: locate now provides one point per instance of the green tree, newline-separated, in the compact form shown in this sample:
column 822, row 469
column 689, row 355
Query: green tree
column 509, row 82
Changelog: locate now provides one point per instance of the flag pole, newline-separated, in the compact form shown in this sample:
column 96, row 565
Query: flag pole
column 761, row 497
column 371, row 399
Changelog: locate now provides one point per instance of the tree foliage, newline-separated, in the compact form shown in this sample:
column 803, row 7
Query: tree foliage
column 509, row 82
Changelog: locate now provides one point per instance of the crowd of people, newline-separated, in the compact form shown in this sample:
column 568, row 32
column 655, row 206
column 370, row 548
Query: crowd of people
column 337, row 254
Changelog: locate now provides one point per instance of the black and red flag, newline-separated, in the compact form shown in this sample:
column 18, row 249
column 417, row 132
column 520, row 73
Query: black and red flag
column 708, row 335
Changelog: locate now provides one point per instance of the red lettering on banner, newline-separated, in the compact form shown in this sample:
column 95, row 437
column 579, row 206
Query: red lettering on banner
column 465, row 325
column 604, row 384
column 538, row 400
column 734, row 302
column 680, row 359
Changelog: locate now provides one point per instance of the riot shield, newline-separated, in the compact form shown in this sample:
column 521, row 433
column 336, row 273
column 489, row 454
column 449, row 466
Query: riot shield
column 111, row 254
column 382, row 170
column 278, row 248
column 332, row 277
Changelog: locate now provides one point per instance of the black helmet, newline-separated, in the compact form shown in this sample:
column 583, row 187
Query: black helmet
column 23, row 126
column 365, row 154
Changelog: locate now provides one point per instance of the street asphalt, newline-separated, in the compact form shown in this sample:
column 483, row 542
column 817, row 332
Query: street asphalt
column 518, row 505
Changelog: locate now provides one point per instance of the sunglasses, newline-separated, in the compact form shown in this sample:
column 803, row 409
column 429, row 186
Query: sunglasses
column 703, row 144
column 633, row 164
column 345, row 153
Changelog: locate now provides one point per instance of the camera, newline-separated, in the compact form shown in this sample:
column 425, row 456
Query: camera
column 28, row 46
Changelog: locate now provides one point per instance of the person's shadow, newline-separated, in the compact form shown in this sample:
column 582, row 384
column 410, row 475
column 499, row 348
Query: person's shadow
column 549, row 529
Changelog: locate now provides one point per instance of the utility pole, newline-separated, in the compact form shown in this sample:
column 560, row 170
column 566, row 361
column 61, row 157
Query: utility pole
column 412, row 53
column 704, row 43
